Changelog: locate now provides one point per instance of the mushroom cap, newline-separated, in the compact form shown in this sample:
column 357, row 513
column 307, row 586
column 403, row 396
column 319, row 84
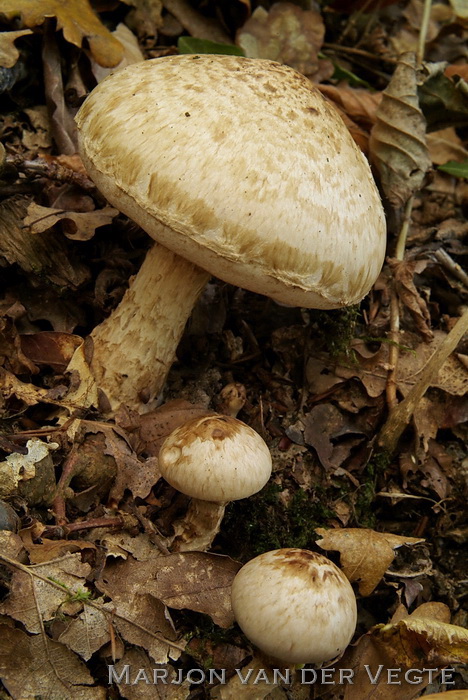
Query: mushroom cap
column 295, row 605
column 215, row 458
column 241, row 166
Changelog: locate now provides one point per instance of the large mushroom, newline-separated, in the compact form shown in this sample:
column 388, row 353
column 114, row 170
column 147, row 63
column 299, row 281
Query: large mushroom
column 295, row 605
column 238, row 168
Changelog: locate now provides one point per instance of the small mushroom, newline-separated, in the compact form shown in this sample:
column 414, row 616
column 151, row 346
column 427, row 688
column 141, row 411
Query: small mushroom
column 295, row 605
column 239, row 168
column 215, row 458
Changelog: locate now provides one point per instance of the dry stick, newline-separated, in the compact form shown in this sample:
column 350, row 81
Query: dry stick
column 391, row 385
column 449, row 263
column 111, row 613
column 401, row 415
column 423, row 31
column 358, row 52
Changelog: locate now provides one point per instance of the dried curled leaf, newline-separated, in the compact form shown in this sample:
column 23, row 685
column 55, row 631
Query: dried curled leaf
column 405, row 641
column 374, row 664
column 83, row 224
column 365, row 554
column 398, row 139
column 77, row 20
column 288, row 35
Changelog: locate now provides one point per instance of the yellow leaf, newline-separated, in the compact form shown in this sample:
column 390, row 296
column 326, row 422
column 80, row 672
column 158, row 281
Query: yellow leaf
column 365, row 554
column 9, row 54
column 77, row 20
column 424, row 634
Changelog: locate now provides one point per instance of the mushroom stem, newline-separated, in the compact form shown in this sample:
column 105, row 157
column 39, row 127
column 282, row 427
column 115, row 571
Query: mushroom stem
column 135, row 347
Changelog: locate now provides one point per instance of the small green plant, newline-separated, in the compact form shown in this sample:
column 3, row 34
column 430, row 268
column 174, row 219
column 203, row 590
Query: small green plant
column 73, row 596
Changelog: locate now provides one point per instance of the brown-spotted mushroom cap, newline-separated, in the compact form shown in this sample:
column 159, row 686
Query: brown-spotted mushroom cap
column 241, row 167
column 215, row 458
column 295, row 605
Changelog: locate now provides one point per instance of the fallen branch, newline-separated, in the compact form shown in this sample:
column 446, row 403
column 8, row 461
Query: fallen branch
column 400, row 416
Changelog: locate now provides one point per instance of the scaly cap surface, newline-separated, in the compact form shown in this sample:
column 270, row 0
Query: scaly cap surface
column 295, row 605
column 241, row 166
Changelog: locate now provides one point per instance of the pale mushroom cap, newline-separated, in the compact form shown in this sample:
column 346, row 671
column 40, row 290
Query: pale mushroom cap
column 241, row 166
column 295, row 605
column 215, row 458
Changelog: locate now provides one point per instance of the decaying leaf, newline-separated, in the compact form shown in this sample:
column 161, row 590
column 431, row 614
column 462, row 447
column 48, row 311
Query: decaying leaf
column 50, row 348
column 373, row 664
column 365, row 554
column 445, row 145
column 12, row 356
column 89, row 631
column 77, row 20
column 452, row 376
column 139, row 476
column 398, row 139
column 142, row 618
column 444, row 101
column 197, row 581
column 9, row 54
column 33, row 667
column 48, row 550
column 22, row 468
column 287, row 34
column 11, row 545
column 84, row 223
column 359, row 104
column 136, row 664
column 254, row 682
column 420, row 634
column 371, row 367
column 32, row 601
column 45, row 255
column 156, row 425
column 403, row 272
column 407, row 34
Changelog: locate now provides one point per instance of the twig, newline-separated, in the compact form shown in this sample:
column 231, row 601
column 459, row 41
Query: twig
column 358, row 52
column 423, row 31
column 394, row 351
column 401, row 415
column 449, row 263
column 53, row 171
column 63, row 530
column 400, row 246
column 68, row 471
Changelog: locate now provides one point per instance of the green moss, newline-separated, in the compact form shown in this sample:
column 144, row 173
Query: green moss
column 263, row 522
column 363, row 506
column 336, row 329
